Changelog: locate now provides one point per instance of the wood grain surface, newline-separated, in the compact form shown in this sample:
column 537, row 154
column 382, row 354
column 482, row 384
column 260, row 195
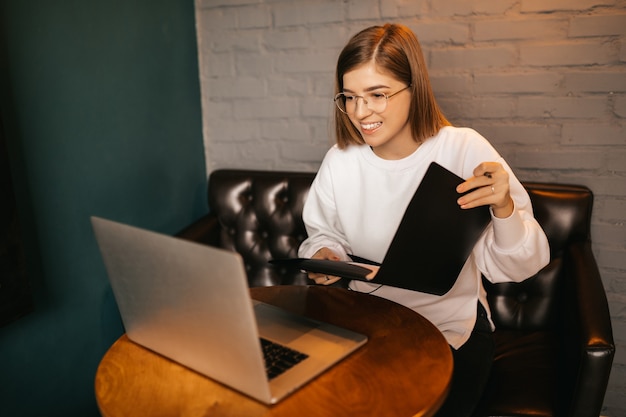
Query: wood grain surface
column 403, row 370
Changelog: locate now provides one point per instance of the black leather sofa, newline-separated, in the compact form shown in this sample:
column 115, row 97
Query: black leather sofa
column 554, row 342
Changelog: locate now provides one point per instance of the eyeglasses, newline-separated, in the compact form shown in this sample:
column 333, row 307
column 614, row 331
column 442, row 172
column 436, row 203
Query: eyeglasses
column 376, row 102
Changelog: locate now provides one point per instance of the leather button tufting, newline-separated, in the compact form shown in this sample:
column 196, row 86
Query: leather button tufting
column 522, row 297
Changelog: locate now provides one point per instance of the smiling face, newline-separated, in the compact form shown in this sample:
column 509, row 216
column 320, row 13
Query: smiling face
column 387, row 132
column 388, row 56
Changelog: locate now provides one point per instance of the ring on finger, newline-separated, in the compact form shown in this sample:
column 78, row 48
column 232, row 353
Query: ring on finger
column 493, row 190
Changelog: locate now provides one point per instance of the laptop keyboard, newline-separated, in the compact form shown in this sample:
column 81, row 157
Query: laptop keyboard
column 279, row 358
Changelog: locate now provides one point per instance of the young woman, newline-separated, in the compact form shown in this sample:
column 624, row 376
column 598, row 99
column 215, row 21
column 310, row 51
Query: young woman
column 389, row 129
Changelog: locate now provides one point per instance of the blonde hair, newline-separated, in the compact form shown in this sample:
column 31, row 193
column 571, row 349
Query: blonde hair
column 395, row 49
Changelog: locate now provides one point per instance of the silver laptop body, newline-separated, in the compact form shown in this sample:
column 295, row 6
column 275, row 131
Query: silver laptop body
column 191, row 303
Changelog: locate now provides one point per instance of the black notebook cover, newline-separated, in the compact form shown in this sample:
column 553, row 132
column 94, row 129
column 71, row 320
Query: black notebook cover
column 432, row 243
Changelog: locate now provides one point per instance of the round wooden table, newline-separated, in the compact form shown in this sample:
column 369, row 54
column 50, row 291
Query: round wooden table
column 404, row 369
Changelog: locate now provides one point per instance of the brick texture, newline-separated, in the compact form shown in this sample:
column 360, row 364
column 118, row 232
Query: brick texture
column 544, row 81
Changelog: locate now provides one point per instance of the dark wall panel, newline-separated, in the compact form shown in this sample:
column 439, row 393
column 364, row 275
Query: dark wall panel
column 104, row 120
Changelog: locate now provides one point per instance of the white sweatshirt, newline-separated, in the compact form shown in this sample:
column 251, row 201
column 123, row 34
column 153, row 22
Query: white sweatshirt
column 357, row 200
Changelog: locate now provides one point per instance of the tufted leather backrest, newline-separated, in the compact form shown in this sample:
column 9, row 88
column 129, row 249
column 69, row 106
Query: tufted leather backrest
column 260, row 216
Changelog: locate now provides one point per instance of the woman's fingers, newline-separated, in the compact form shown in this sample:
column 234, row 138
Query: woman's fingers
column 489, row 186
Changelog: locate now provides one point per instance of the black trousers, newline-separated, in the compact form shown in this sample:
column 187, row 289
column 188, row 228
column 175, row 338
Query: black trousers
column 472, row 365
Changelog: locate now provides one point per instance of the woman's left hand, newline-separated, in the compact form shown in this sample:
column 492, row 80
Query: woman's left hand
column 490, row 185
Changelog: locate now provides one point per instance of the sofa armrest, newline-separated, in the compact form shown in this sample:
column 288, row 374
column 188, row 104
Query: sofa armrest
column 204, row 230
column 590, row 336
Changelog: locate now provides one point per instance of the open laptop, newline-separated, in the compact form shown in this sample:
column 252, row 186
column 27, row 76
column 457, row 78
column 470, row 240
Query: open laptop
column 191, row 303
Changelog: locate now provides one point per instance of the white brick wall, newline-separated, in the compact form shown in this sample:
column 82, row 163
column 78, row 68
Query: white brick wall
column 545, row 81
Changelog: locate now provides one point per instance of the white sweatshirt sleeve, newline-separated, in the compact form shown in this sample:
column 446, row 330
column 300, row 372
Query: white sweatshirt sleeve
column 322, row 223
column 516, row 247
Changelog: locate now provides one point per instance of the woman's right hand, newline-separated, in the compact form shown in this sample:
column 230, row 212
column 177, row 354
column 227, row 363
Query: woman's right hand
column 321, row 279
